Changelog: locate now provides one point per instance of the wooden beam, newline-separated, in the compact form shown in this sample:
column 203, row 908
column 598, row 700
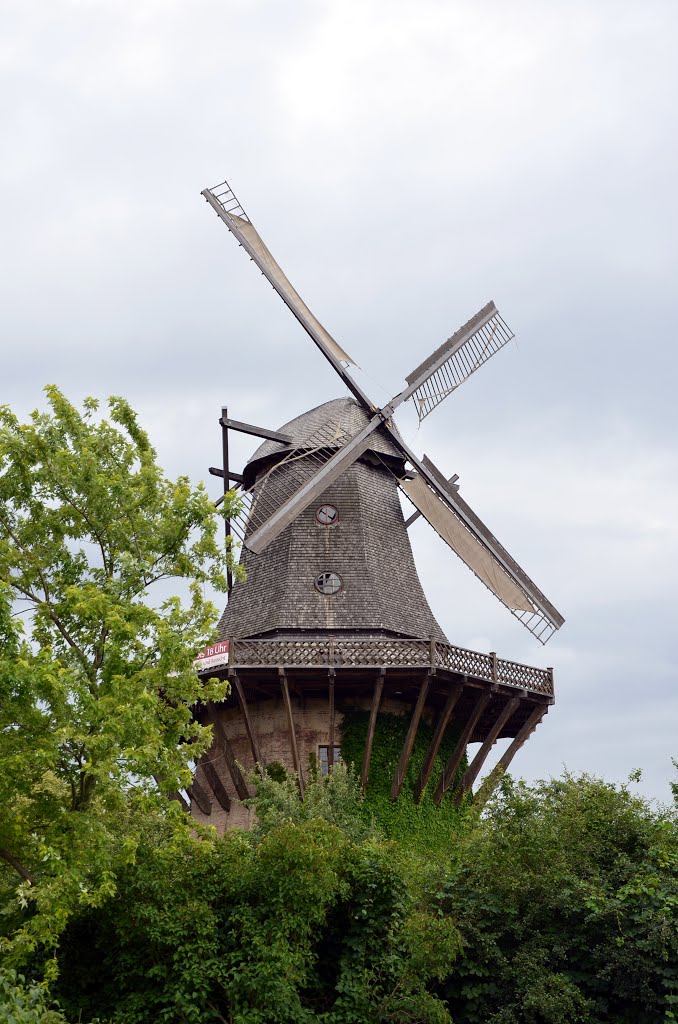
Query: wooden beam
column 504, row 761
column 330, row 749
column 290, row 725
column 369, row 740
column 216, row 785
column 471, row 773
column 249, row 428
column 199, row 797
column 237, row 478
column 432, row 753
column 229, row 757
column 450, row 770
column 249, row 727
column 406, row 752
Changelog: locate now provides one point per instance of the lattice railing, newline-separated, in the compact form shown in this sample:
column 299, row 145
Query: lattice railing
column 470, row 663
column 378, row 653
column 515, row 674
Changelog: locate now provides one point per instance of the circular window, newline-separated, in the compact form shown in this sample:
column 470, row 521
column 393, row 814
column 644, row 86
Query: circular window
column 328, row 583
column 326, row 515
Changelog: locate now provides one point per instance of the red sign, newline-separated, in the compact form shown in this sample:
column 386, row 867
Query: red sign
column 214, row 656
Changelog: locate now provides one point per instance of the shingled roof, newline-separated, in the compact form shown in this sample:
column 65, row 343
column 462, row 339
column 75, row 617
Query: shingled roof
column 368, row 547
column 342, row 416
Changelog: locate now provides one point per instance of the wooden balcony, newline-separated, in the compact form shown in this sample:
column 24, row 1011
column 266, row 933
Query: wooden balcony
column 358, row 653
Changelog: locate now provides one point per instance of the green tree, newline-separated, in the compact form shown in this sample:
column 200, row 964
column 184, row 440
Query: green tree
column 566, row 895
column 303, row 921
column 96, row 680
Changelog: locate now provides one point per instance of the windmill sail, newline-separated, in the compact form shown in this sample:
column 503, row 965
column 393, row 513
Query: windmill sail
column 472, row 542
column 456, row 359
column 223, row 200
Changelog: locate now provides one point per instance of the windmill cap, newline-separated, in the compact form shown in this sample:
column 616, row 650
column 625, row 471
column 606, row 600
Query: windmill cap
column 329, row 424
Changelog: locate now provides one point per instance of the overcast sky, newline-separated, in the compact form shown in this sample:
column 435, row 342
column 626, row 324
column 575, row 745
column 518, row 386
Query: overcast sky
column 405, row 163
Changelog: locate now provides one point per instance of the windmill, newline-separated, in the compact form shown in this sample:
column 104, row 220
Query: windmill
column 301, row 468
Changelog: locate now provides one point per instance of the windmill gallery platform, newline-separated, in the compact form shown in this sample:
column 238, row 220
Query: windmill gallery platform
column 300, row 651
column 331, row 616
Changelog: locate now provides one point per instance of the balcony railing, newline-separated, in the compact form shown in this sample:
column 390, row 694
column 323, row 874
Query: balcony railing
column 384, row 653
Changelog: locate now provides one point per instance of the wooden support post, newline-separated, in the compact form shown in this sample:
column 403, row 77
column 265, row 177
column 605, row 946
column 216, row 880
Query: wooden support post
column 249, row 727
column 199, row 797
column 450, row 770
column 432, row 753
column 369, row 740
column 504, row 761
column 471, row 773
column 229, row 757
column 215, row 782
column 330, row 749
column 406, row 752
column 290, row 725
column 227, row 523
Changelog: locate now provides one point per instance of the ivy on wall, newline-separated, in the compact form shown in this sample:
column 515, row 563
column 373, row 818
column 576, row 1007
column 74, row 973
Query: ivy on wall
column 422, row 826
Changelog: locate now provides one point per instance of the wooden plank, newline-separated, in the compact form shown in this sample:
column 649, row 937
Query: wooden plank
column 447, row 778
column 216, row 785
column 471, row 773
column 290, row 725
column 229, row 757
column 249, row 727
column 330, row 749
column 432, row 753
column 237, row 478
column 406, row 753
column 199, row 796
column 250, row 428
column 504, row 761
column 367, row 752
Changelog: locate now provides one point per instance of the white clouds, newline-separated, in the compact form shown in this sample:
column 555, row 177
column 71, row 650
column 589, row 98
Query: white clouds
column 420, row 158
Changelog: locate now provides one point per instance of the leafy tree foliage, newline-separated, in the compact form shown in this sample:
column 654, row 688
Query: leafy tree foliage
column 295, row 923
column 26, row 1003
column 337, row 799
column 96, row 683
column 566, row 895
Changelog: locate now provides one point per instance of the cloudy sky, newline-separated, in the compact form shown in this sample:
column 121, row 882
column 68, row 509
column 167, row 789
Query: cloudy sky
column 405, row 162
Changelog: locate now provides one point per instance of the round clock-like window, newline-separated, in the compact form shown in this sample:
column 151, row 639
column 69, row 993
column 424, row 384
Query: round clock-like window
column 326, row 515
column 328, row 583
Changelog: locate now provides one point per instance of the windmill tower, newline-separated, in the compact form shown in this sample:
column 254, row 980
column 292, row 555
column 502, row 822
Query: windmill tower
column 332, row 613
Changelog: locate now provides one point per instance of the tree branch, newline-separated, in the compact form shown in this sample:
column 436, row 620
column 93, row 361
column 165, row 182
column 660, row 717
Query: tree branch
column 17, row 865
